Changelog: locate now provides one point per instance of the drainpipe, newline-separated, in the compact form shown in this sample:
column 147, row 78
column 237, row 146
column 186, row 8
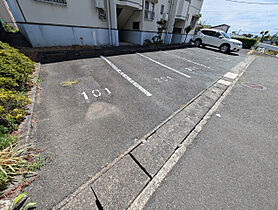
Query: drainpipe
column 109, row 22
column 169, row 16
column 187, row 13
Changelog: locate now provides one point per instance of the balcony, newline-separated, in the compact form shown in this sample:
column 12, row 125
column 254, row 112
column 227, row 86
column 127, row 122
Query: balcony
column 182, row 10
column 149, row 15
column 131, row 4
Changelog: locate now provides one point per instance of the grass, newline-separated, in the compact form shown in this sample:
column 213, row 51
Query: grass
column 69, row 83
column 6, row 140
column 18, row 160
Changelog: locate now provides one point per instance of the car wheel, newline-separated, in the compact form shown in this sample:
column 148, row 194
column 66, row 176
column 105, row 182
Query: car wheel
column 224, row 48
column 197, row 43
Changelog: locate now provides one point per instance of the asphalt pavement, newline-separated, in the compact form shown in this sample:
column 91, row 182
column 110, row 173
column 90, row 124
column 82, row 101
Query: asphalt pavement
column 232, row 163
column 117, row 100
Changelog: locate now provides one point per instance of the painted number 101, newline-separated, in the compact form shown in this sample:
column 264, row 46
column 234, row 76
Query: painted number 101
column 97, row 93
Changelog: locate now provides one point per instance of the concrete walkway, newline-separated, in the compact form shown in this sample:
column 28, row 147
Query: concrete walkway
column 233, row 162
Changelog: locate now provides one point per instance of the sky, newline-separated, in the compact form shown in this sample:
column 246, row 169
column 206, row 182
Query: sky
column 248, row 18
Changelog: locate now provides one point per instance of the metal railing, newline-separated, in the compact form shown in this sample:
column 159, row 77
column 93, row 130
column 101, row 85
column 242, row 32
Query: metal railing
column 268, row 46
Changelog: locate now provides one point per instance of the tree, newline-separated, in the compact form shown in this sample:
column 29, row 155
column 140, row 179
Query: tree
column 263, row 33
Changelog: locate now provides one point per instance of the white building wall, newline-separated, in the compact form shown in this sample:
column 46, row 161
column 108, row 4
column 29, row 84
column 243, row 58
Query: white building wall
column 76, row 13
column 78, row 23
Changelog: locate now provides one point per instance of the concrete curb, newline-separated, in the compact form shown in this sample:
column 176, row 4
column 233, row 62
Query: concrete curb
column 114, row 187
column 25, row 127
column 66, row 55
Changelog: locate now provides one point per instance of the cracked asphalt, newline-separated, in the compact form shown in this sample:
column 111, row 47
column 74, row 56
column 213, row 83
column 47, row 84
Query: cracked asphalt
column 87, row 125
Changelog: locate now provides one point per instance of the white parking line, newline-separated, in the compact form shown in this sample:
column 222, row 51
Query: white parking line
column 170, row 68
column 199, row 64
column 210, row 52
column 135, row 84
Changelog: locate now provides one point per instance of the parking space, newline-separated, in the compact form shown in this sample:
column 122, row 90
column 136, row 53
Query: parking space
column 116, row 100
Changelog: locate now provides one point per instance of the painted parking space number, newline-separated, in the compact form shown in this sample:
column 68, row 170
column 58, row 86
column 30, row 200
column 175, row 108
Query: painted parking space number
column 163, row 79
column 97, row 93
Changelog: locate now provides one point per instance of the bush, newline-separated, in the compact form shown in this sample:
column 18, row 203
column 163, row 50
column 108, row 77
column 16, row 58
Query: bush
column 6, row 140
column 10, row 29
column 247, row 42
column 15, row 69
column 15, row 79
column 12, row 106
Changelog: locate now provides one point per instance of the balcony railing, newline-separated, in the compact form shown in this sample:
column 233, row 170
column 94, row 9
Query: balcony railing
column 133, row 4
column 149, row 15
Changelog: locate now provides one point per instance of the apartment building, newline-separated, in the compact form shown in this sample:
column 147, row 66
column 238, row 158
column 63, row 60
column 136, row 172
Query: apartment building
column 102, row 22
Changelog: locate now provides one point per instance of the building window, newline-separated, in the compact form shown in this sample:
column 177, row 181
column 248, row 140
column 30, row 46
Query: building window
column 58, row 2
column 136, row 25
column 149, row 10
column 162, row 9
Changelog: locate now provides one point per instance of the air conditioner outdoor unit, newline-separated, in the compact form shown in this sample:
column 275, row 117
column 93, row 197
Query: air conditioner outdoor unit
column 165, row 16
column 99, row 4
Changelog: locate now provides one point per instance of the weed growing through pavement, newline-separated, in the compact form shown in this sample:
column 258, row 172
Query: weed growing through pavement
column 69, row 83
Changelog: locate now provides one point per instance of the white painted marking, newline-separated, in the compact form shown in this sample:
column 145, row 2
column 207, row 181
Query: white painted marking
column 108, row 91
column 210, row 52
column 170, row 68
column 135, row 84
column 189, row 69
column 96, row 93
column 85, row 96
column 163, row 79
column 224, row 82
column 199, row 64
column 230, row 75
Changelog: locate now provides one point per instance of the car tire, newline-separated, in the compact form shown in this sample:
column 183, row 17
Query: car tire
column 198, row 42
column 225, row 48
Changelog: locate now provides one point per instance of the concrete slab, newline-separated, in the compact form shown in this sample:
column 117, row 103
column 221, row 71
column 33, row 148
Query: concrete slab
column 175, row 130
column 214, row 92
column 195, row 110
column 220, row 86
column 205, row 101
column 230, row 75
column 153, row 154
column 118, row 187
column 224, row 82
column 84, row 200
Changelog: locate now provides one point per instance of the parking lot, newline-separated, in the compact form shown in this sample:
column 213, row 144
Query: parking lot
column 117, row 100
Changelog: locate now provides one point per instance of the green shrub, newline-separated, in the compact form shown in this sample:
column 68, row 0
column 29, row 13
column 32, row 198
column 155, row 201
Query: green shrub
column 246, row 42
column 15, row 69
column 9, row 28
column 6, row 140
column 3, row 180
column 12, row 110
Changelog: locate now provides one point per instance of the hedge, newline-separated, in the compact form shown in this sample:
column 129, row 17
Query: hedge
column 246, row 42
column 15, row 79
column 15, row 69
